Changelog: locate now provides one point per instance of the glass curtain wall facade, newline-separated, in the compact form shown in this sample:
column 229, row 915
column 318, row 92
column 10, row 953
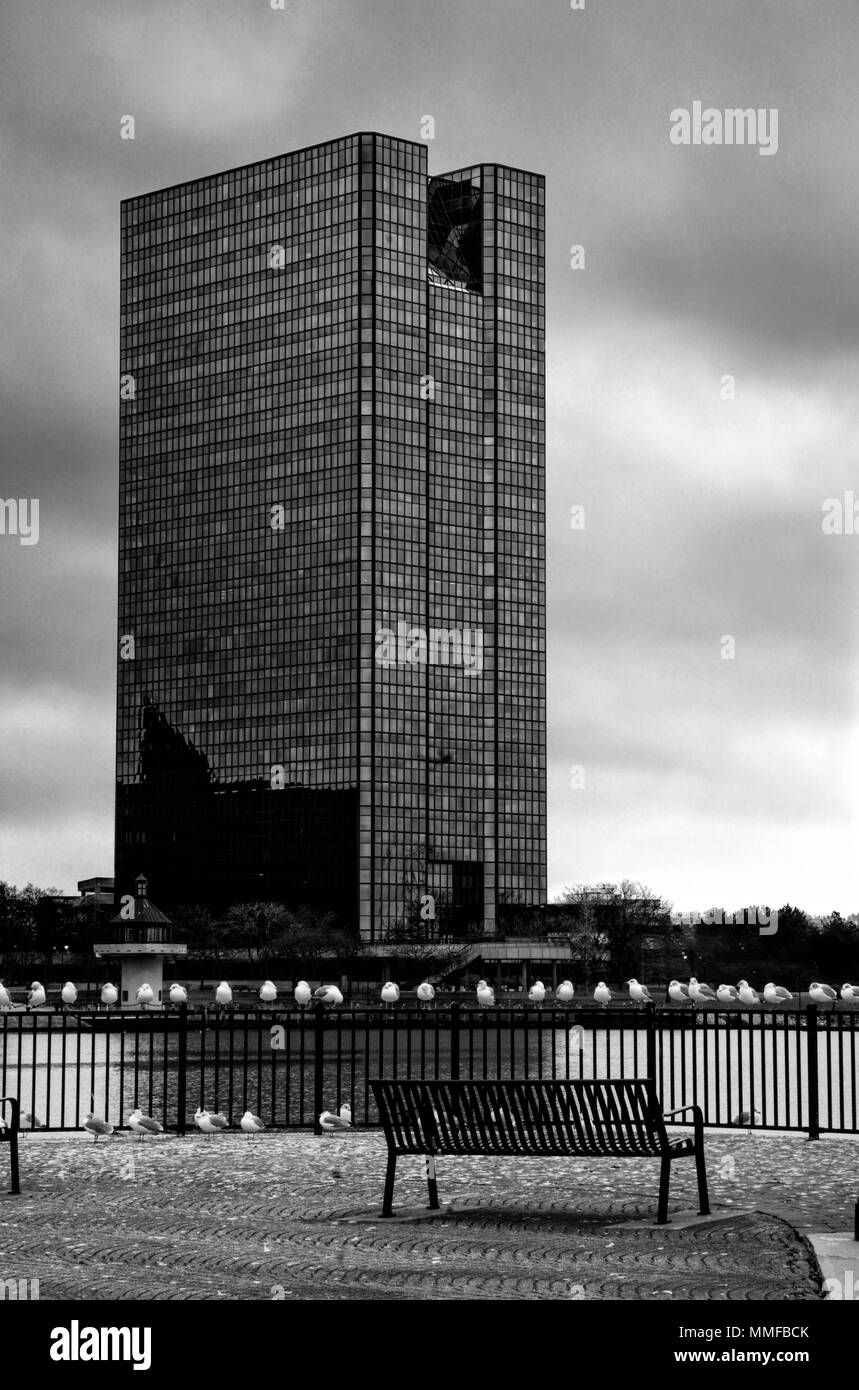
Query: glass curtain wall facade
column 331, row 608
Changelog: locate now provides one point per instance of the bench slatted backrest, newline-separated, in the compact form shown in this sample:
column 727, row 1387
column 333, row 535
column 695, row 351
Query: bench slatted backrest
column 620, row 1118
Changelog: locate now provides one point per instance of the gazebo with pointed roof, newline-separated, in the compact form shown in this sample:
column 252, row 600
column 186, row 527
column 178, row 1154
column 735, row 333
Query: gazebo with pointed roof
column 141, row 941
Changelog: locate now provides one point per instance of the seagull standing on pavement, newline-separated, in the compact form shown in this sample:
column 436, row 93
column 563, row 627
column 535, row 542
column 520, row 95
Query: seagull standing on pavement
column 68, row 994
column 251, row 1124
column 145, row 996
column 485, row 995
column 679, row 994
column 822, row 994
column 776, row 994
column 602, row 994
column 109, row 995
column 390, row 994
column 701, row 994
column 96, row 1126
column 268, row 992
column 223, row 994
column 639, row 994
column 37, row 996
column 537, row 993
column 210, row 1124
column 144, row 1124
column 565, row 991
column 748, row 995
column 329, row 994
column 303, row 994
column 425, row 993
column 178, row 995
column 329, row 1121
column 850, row 993
column 5, row 1001
column 726, row 994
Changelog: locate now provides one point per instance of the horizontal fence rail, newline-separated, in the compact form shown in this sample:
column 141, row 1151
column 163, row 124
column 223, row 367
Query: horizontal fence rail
column 792, row 1070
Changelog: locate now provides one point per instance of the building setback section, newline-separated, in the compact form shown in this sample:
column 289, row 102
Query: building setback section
column 332, row 438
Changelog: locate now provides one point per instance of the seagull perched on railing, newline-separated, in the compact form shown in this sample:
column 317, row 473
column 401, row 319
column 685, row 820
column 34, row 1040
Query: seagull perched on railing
column 210, row 1124
column 303, row 994
column 700, row 993
column 178, row 995
column 678, row 993
column 822, row 994
column 329, row 994
column 109, row 995
column 485, row 995
column 36, row 996
column 639, row 994
column 145, row 996
column 68, row 994
column 390, row 994
column 144, row 1124
column 602, row 994
column 268, row 992
column 850, row 994
column 537, row 993
column 776, row 994
column 747, row 995
column 223, row 994
column 251, row 1124
column 565, row 992
column 329, row 1121
column 425, row 993
column 96, row 1126
column 726, row 994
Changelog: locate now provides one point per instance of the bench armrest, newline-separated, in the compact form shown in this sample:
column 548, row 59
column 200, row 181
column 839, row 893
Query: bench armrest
column 681, row 1110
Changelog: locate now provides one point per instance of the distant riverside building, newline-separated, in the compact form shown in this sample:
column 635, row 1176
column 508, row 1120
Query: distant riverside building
column 331, row 666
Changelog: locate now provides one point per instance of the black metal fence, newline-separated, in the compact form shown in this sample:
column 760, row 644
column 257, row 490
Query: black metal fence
column 793, row 1070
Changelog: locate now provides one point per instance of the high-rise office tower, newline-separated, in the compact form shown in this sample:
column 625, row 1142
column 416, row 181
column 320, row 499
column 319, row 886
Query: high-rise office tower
column 332, row 539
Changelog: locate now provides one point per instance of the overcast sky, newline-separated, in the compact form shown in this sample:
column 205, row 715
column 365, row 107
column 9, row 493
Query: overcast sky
column 712, row 780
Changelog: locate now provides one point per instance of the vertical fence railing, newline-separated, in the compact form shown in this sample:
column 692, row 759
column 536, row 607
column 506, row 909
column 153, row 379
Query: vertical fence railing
column 787, row 1069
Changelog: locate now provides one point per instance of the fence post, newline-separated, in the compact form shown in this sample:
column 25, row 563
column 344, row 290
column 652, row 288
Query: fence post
column 318, row 1067
column 650, row 1038
column 454, row 1040
column 811, row 1063
column 182, row 1071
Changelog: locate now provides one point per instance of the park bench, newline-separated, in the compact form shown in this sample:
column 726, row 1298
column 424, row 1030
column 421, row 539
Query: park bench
column 568, row 1119
column 9, row 1135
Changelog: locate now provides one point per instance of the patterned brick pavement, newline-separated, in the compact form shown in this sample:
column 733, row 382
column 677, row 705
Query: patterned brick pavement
column 294, row 1216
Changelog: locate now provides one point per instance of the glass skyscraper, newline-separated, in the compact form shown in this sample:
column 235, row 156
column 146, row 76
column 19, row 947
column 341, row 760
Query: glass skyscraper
column 332, row 539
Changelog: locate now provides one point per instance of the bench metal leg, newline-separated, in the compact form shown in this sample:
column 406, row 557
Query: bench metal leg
column 664, row 1180
column 390, row 1174
column 703, row 1194
column 432, row 1185
column 13, row 1164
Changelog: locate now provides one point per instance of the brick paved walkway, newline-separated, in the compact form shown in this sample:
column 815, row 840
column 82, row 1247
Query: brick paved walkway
column 294, row 1216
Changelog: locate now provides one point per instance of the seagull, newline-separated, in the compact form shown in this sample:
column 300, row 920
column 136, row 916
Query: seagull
column 330, row 1122
column 679, row 993
column 425, row 992
column 822, row 994
column 726, row 994
column 68, row 993
column 850, row 994
column 602, row 994
column 329, row 994
column 746, row 1119
column 178, row 995
column 210, row 1124
column 701, row 994
column 96, row 1127
column 5, row 1001
column 251, row 1124
column 776, row 994
column 268, row 992
column 144, row 1124
column 145, row 996
column 537, row 993
column 485, row 995
column 109, row 995
column 565, row 991
column 747, row 994
column 223, row 994
column 639, row 994
column 32, row 1121
column 303, row 994
column 390, row 993
column 37, row 996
